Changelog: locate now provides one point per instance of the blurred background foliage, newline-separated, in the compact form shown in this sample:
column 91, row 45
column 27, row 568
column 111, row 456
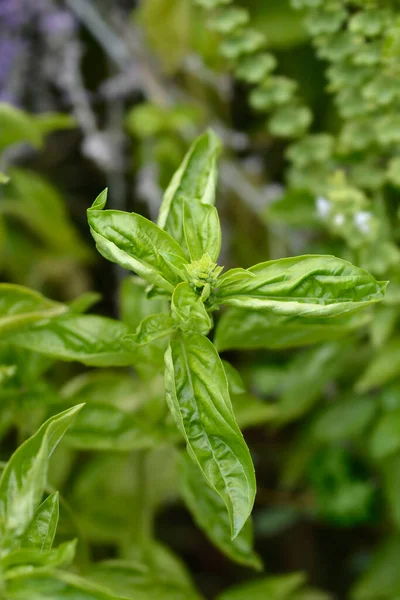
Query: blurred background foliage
column 305, row 96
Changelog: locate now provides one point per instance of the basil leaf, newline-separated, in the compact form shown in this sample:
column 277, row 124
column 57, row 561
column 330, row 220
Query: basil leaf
column 307, row 376
column 209, row 512
column 189, row 311
column 30, row 558
column 250, row 411
column 385, row 438
column 91, row 340
column 42, row 530
column 55, row 586
column 193, row 183
column 24, row 478
column 106, row 427
column 198, row 397
column 202, row 230
column 305, row 285
column 384, row 366
column 135, row 305
column 17, row 126
column 152, row 328
column 20, row 307
column 278, row 587
column 241, row 328
column 137, row 244
column 142, row 581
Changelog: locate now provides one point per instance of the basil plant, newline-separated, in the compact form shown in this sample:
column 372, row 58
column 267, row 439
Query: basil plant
column 309, row 297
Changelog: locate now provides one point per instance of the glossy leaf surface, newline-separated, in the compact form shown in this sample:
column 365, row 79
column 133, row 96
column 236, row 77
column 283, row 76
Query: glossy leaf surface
column 198, row 397
column 193, row 183
column 306, row 285
column 136, row 244
column 210, row 514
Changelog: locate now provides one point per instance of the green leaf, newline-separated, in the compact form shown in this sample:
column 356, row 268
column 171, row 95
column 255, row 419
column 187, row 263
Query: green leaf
column 307, row 376
column 137, row 581
column 253, row 69
column 135, row 305
column 21, row 307
column 3, row 178
column 198, row 397
column 385, row 438
column 32, row 199
column 229, row 20
column 106, row 427
column 305, row 285
column 241, row 43
column 17, row 126
column 383, row 368
column 242, row 328
column 92, row 340
column 189, row 311
column 31, row 558
column 345, row 419
column 210, row 514
column 23, row 480
column 84, row 302
column 250, row 411
column 382, row 577
column 51, row 121
column 137, row 244
column 42, row 530
column 202, row 230
column 55, row 586
column 152, row 328
column 279, row 587
column 167, row 26
column 295, row 207
column 193, row 183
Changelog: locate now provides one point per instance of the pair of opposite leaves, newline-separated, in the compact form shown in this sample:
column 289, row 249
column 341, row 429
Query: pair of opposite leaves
column 177, row 257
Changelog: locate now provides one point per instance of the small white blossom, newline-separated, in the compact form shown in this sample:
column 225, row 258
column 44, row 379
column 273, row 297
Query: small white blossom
column 324, row 207
column 339, row 219
column 362, row 221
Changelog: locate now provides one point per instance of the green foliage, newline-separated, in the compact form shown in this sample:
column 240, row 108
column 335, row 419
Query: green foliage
column 318, row 392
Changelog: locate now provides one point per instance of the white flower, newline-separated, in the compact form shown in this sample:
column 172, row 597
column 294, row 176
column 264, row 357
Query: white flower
column 362, row 221
column 338, row 219
column 324, row 207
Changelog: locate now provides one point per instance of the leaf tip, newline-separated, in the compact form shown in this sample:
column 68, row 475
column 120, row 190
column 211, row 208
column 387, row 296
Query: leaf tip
column 100, row 201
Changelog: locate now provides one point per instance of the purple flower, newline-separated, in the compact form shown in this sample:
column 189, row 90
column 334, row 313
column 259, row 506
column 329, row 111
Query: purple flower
column 60, row 22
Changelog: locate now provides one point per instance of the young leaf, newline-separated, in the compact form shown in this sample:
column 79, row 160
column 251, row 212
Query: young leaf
column 152, row 328
column 305, row 285
column 198, row 397
column 244, row 328
column 137, row 244
column 92, row 340
column 189, row 311
column 24, row 478
column 20, row 307
column 193, row 183
column 202, row 230
column 209, row 512
column 42, row 530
